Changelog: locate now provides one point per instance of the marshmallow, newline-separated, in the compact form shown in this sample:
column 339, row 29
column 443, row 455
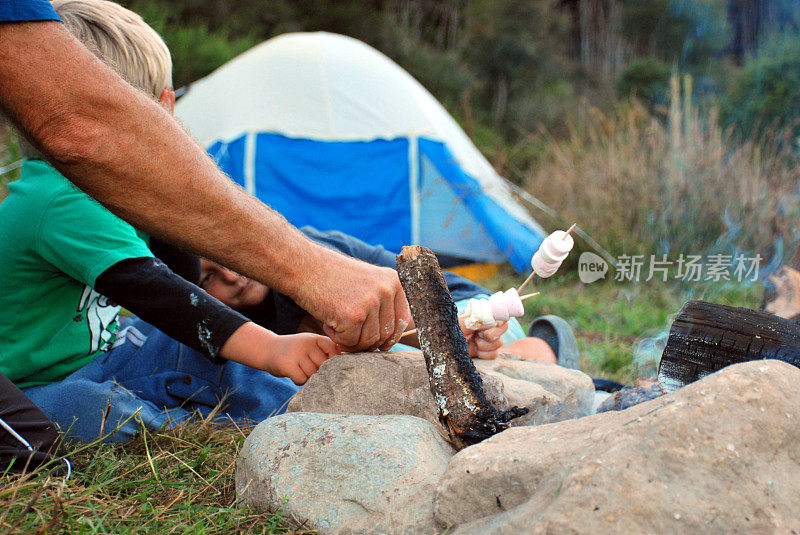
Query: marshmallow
column 558, row 245
column 480, row 315
column 554, row 250
column 542, row 267
column 514, row 304
column 499, row 306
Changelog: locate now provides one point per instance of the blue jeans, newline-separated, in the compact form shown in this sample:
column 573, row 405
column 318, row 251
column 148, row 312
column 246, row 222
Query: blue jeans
column 150, row 379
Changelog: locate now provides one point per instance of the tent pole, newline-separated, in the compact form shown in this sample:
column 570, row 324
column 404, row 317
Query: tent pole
column 250, row 163
column 413, row 178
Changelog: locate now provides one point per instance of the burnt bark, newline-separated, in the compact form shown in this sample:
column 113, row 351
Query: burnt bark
column 464, row 411
column 706, row 337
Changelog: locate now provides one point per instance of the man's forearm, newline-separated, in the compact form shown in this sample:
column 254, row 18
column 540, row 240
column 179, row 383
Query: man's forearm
column 128, row 153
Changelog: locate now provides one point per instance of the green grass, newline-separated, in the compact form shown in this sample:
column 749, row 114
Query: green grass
column 175, row 481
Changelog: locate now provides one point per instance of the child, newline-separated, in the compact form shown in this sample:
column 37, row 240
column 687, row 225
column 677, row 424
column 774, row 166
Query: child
column 552, row 340
column 67, row 264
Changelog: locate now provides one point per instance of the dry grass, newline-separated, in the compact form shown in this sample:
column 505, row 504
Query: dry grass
column 179, row 480
column 643, row 184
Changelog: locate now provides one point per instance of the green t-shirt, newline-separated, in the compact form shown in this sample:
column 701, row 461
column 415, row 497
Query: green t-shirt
column 54, row 242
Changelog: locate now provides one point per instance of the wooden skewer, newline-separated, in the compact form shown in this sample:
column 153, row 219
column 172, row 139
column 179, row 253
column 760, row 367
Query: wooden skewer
column 533, row 273
column 530, row 277
column 464, row 314
column 414, row 331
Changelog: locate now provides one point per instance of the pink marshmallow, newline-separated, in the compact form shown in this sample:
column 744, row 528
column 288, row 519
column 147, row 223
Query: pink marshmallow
column 514, row 303
column 556, row 246
column 542, row 267
column 499, row 306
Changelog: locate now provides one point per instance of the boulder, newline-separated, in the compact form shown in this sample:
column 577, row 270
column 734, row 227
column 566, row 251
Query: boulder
column 573, row 388
column 390, row 382
column 397, row 383
column 344, row 474
column 718, row 456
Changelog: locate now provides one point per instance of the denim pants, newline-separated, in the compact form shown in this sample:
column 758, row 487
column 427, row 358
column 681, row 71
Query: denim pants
column 158, row 381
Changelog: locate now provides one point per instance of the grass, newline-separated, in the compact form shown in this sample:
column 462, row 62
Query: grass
column 179, row 480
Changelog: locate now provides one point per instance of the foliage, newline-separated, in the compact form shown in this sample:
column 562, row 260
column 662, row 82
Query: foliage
column 196, row 49
column 766, row 93
column 638, row 185
column 647, row 79
column 690, row 32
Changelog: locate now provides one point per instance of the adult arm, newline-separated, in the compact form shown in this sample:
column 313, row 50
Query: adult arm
column 124, row 150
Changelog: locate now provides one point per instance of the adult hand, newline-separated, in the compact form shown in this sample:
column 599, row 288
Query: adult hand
column 362, row 307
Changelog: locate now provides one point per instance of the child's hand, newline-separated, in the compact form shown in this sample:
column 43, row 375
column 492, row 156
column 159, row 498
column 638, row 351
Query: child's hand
column 299, row 356
column 296, row 356
column 484, row 343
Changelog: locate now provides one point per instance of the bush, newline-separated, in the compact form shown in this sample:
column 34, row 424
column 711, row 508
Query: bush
column 646, row 79
column 766, row 93
column 639, row 186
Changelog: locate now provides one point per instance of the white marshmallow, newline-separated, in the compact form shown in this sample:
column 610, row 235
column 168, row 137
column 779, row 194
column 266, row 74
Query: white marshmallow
column 560, row 243
column 480, row 315
column 499, row 306
column 514, row 304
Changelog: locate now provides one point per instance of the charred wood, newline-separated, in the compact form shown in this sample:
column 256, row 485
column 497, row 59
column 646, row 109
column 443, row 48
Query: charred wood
column 464, row 411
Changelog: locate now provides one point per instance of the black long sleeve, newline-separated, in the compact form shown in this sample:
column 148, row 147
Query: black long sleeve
column 149, row 289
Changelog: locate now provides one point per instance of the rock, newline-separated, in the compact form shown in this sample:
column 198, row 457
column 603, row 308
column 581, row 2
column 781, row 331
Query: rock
column 345, row 474
column 391, row 382
column 397, row 383
column 543, row 406
column 626, row 397
column 718, row 456
column 573, row 388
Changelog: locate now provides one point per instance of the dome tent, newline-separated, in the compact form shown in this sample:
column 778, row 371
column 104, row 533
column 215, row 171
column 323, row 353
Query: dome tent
column 332, row 133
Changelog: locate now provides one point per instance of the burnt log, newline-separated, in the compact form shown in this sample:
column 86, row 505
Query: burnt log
column 706, row 337
column 465, row 413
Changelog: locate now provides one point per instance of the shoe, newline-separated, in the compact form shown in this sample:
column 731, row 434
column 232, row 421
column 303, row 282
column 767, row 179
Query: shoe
column 559, row 336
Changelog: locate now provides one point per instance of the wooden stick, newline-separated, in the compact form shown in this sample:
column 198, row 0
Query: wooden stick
column 464, row 411
column 414, row 331
column 530, row 277
column 569, row 231
column 524, row 297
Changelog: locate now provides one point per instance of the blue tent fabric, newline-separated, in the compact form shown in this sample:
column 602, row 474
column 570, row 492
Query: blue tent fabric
column 515, row 240
column 363, row 188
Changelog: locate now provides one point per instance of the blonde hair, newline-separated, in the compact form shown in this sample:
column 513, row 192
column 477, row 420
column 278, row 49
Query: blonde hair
column 122, row 40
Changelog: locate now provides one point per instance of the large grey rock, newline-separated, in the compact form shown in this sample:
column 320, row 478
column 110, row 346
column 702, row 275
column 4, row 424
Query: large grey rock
column 721, row 455
column 397, row 383
column 574, row 388
column 391, row 382
column 345, row 474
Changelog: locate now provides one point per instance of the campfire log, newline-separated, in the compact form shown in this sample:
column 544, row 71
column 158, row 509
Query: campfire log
column 706, row 337
column 464, row 411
